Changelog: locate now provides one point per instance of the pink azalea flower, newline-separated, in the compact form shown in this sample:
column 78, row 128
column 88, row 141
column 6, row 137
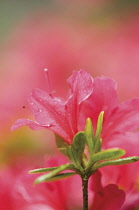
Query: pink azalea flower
column 90, row 97
column 119, row 119
column 108, row 197
column 19, row 193
column 60, row 116
column 120, row 129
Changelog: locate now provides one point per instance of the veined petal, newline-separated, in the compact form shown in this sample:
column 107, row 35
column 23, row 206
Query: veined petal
column 81, row 85
column 50, row 110
column 103, row 98
column 33, row 125
column 60, row 115
column 36, row 126
column 126, row 117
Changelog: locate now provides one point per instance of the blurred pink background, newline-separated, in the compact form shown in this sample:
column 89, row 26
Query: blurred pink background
column 101, row 37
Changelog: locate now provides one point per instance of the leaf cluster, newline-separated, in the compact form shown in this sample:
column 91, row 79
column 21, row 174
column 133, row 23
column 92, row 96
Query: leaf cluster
column 85, row 155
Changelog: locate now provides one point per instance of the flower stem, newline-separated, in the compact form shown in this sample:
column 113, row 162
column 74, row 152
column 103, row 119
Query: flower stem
column 85, row 192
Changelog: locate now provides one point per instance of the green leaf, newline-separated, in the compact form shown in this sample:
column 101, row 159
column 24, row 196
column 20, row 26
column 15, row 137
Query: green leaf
column 90, row 136
column 108, row 154
column 99, row 125
column 121, row 161
column 40, row 170
column 98, row 145
column 54, row 173
column 59, row 176
column 62, row 145
column 77, row 147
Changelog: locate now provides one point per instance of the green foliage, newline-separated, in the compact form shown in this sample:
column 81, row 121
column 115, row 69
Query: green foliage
column 121, row 161
column 62, row 145
column 99, row 125
column 41, row 170
column 57, row 177
column 108, row 154
column 90, row 139
column 85, row 154
column 77, row 148
column 52, row 174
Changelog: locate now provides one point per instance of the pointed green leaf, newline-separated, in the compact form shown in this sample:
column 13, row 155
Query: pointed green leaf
column 41, row 170
column 108, row 154
column 62, row 145
column 121, row 161
column 99, row 124
column 59, row 177
column 77, row 149
column 79, row 142
column 54, row 173
column 98, row 145
column 90, row 135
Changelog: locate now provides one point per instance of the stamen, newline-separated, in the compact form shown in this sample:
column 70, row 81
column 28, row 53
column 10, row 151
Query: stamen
column 49, row 88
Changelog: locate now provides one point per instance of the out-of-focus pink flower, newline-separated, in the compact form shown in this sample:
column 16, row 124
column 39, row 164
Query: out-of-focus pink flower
column 19, row 193
column 119, row 119
column 120, row 129
column 110, row 51
column 108, row 197
column 58, row 115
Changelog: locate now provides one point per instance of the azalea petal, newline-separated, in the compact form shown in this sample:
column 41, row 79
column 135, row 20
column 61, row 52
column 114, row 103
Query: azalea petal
column 131, row 201
column 104, row 98
column 96, row 181
column 81, row 85
column 124, row 119
column 33, row 125
column 109, row 197
column 50, row 110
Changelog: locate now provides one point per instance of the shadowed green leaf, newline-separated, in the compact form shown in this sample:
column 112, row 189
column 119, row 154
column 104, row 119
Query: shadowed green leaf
column 40, row 170
column 77, row 147
column 59, row 176
column 108, row 154
column 99, row 125
column 90, row 139
column 98, row 145
column 121, row 161
column 54, row 173
column 62, row 145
